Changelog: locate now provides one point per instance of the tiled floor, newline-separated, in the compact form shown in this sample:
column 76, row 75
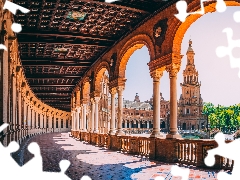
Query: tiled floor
column 98, row 163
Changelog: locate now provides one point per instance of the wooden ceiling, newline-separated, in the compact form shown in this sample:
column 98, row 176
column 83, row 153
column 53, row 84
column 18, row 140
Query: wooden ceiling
column 56, row 51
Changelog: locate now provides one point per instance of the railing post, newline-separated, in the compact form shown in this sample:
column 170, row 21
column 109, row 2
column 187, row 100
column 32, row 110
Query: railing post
column 152, row 148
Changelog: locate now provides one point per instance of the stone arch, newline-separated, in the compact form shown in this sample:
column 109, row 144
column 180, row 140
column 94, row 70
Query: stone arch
column 102, row 67
column 181, row 28
column 136, row 42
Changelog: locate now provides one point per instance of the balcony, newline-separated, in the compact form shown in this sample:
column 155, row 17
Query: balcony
column 183, row 151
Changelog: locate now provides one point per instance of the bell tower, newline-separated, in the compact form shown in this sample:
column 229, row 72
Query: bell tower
column 190, row 102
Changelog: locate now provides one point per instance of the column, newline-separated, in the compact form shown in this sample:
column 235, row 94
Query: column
column 29, row 117
column 96, row 115
column 147, row 124
column 173, row 70
column 84, row 118
column 92, row 115
column 112, row 121
column 156, row 75
column 77, row 118
column 120, row 110
column 73, row 121
column 130, row 124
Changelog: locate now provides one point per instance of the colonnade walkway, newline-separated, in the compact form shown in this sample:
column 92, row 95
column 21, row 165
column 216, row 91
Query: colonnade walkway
column 97, row 162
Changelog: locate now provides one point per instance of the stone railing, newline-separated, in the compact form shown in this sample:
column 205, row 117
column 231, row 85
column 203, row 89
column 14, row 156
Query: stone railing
column 184, row 151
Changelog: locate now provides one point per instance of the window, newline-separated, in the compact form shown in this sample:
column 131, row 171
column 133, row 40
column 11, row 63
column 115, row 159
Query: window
column 188, row 111
column 66, row 123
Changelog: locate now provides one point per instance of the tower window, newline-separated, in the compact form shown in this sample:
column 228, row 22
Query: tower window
column 187, row 111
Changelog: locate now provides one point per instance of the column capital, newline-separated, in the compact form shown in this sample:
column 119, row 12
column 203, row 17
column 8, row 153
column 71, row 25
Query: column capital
column 83, row 101
column 113, row 91
column 96, row 99
column 94, row 94
column 78, row 109
column 173, row 69
column 120, row 88
column 92, row 101
column 157, row 73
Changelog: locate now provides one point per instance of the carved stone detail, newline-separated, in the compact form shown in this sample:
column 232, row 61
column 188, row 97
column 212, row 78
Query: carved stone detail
column 157, row 74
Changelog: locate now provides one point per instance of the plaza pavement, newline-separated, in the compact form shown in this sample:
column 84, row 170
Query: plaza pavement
column 99, row 163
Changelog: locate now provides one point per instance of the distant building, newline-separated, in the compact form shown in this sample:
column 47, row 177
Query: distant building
column 190, row 104
column 137, row 114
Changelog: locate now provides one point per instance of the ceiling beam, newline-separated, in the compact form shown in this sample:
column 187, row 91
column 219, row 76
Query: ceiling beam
column 51, row 91
column 60, row 100
column 54, row 63
column 49, row 76
column 54, row 59
column 65, row 34
column 22, row 38
column 52, row 85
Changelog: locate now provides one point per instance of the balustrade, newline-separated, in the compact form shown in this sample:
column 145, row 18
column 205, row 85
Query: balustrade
column 183, row 151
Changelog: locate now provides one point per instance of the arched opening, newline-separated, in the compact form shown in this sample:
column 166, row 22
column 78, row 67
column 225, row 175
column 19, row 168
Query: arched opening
column 214, row 76
column 102, row 87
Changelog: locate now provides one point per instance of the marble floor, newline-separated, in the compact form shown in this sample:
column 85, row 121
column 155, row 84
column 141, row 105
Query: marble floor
column 99, row 163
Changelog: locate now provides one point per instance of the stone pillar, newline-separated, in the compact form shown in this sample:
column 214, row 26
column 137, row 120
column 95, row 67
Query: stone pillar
column 112, row 121
column 73, row 121
column 29, row 117
column 147, row 124
column 25, row 114
column 156, row 75
column 77, row 118
column 130, row 124
column 41, row 120
column 173, row 70
column 92, row 114
column 120, row 110
column 19, row 109
column 96, row 130
column 139, row 124
column 84, row 118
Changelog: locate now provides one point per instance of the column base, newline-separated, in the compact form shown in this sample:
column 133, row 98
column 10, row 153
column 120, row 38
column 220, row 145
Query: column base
column 119, row 133
column 173, row 136
column 112, row 132
column 156, row 135
column 83, row 130
column 96, row 131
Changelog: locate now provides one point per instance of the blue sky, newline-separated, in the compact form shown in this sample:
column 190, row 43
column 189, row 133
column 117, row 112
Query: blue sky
column 220, row 82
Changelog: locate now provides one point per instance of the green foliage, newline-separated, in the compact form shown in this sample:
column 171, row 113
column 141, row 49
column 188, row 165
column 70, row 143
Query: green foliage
column 222, row 117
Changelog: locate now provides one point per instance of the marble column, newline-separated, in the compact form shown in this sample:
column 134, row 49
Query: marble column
column 73, row 122
column 84, row 118
column 92, row 114
column 96, row 130
column 120, row 110
column 156, row 75
column 112, row 121
column 173, row 70
column 77, row 118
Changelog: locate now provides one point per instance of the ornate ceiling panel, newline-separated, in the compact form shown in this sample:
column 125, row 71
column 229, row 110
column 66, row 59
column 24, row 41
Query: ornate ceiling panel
column 61, row 39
